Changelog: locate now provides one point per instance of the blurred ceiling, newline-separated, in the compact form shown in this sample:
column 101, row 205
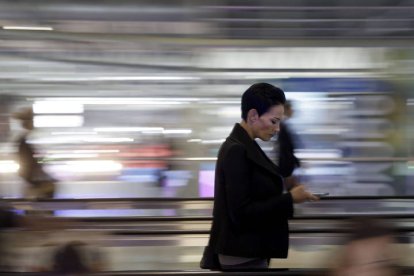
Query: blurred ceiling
column 132, row 48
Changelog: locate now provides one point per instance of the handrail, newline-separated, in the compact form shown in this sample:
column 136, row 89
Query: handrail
column 368, row 197
column 187, row 199
column 271, row 271
column 205, row 204
column 362, row 159
column 344, row 216
column 344, row 159
column 307, row 230
column 111, row 199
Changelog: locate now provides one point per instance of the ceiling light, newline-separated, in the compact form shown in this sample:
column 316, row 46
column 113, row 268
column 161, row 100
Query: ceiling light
column 28, row 28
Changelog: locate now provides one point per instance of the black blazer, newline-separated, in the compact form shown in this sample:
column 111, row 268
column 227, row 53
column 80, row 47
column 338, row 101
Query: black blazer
column 250, row 214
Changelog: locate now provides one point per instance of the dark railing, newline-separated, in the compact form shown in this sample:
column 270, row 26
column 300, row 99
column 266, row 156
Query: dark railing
column 209, row 218
column 343, row 207
column 191, row 199
column 298, row 272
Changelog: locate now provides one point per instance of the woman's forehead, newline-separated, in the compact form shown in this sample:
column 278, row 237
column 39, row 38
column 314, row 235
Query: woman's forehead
column 275, row 111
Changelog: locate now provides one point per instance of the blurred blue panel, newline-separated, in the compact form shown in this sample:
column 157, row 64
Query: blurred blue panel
column 334, row 85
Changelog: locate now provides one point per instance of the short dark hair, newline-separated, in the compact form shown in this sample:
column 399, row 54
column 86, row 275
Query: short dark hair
column 261, row 96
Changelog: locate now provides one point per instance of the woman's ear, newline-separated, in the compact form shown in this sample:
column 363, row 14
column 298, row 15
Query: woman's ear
column 252, row 116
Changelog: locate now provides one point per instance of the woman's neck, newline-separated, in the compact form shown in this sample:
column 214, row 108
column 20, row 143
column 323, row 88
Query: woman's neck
column 246, row 127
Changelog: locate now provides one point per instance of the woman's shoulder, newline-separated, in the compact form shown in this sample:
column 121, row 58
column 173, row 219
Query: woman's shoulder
column 232, row 148
column 234, row 144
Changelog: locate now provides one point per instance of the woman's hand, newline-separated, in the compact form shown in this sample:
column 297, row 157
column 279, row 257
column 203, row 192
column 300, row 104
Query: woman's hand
column 299, row 194
column 291, row 182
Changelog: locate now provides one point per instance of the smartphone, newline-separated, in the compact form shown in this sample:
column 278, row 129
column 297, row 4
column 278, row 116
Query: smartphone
column 320, row 194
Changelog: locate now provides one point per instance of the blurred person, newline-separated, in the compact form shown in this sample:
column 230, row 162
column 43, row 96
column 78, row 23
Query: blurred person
column 8, row 220
column 40, row 183
column 369, row 250
column 6, row 101
column 74, row 258
column 36, row 224
column 69, row 260
column 251, row 212
column 287, row 142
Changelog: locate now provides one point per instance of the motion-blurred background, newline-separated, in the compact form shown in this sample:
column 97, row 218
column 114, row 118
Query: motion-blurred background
column 133, row 98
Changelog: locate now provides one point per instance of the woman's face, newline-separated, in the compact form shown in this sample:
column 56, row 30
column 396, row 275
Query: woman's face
column 268, row 124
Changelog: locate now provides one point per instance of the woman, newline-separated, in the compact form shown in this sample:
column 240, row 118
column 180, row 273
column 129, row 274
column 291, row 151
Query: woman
column 250, row 214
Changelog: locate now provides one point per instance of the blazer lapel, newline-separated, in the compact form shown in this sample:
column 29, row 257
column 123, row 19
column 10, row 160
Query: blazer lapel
column 254, row 152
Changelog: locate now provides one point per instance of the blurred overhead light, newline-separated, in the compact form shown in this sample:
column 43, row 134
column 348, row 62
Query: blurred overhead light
column 123, row 78
column 93, row 166
column 72, row 155
column 127, row 101
column 57, row 107
column 58, row 121
column 8, row 166
column 218, row 141
column 129, row 129
column 96, row 151
column 177, row 131
column 223, row 101
column 79, row 140
column 107, row 140
column 228, row 111
column 85, row 152
column 73, row 133
column 320, row 154
column 201, row 158
column 109, row 78
column 28, row 28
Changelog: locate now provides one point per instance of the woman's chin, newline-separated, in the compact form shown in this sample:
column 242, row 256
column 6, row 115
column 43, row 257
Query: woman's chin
column 266, row 139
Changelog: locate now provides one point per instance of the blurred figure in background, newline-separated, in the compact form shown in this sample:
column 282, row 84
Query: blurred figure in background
column 285, row 146
column 40, row 183
column 8, row 220
column 32, row 226
column 69, row 260
column 369, row 250
column 74, row 258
